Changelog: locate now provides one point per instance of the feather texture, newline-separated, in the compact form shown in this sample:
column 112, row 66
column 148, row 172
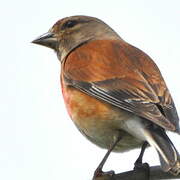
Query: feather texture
column 123, row 76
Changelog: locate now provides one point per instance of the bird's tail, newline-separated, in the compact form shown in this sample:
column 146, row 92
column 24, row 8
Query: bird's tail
column 169, row 156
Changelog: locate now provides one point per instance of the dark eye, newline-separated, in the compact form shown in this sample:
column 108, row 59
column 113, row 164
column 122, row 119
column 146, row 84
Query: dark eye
column 69, row 24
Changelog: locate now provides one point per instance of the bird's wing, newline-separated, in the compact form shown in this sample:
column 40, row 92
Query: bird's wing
column 124, row 76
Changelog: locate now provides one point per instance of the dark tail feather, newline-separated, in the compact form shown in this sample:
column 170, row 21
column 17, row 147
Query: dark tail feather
column 169, row 157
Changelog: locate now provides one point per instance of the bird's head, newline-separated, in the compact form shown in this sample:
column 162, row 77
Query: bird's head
column 71, row 32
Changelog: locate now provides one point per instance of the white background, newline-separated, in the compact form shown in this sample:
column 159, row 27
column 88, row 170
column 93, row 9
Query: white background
column 38, row 141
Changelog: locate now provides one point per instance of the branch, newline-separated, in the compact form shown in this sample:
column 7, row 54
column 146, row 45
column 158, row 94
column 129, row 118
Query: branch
column 155, row 174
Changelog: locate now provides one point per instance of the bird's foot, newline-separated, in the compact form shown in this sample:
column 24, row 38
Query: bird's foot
column 99, row 174
column 144, row 167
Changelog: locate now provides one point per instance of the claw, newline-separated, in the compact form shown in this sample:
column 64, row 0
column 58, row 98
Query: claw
column 143, row 167
column 99, row 173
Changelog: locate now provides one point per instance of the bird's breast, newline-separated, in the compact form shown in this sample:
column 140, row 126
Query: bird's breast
column 100, row 122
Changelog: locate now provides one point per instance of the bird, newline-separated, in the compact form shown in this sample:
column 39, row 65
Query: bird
column 114, row 92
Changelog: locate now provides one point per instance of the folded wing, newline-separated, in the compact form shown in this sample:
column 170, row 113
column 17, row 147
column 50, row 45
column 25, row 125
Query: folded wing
column 124, row 76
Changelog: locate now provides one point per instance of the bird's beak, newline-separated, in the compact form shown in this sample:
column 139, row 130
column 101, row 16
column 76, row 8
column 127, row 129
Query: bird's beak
column 48, row 39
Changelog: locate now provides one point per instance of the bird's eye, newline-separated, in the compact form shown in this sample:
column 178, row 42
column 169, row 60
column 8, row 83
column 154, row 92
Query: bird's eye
column 69, row 24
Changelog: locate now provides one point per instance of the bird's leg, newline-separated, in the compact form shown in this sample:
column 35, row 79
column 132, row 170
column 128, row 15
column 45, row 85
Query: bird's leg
column 138, row 165
column 98, row 172
column 138, row 162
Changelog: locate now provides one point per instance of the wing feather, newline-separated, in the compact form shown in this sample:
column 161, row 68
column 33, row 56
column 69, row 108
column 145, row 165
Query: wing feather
column 123, row 76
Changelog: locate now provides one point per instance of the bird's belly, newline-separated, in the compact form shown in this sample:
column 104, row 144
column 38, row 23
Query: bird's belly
column 100, row 122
